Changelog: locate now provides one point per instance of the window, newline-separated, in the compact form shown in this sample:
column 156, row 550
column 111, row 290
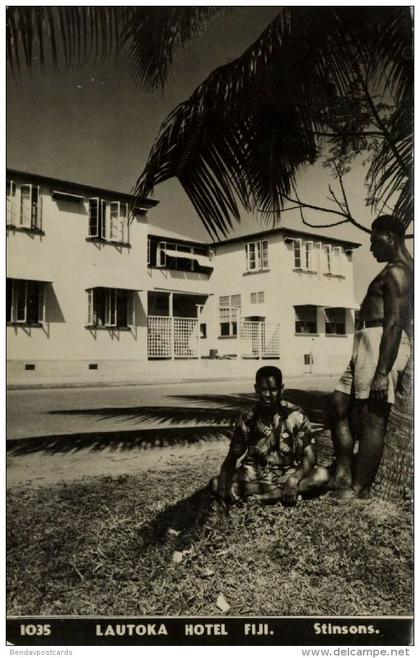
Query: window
column 332, row 260
column 303, row 255
column 25, row 301
column 110, row 307
column 108, row 221
column 305, row 319
column 257, row 297
column 118, row 222
column 256, row 256
column 23, row 206
column 335, row 321
column 203, row 330
column 229, row 311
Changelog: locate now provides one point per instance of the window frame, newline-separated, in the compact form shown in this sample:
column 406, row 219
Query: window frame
column 233, row 316
column 110, row 311
column 256, row 254
column 335, row 323
column 23, row 206
column 22, row 297
column 304, row 321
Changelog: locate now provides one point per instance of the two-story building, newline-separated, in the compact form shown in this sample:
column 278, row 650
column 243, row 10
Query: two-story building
column 92, row 286
column 285, row 294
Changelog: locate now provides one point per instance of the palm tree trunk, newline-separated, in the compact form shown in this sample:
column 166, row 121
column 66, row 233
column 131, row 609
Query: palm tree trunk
column 394, row 479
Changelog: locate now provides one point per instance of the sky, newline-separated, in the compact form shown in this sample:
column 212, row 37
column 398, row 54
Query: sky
column 95, row 125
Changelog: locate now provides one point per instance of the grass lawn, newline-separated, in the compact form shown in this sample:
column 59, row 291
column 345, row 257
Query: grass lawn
column 105, row 546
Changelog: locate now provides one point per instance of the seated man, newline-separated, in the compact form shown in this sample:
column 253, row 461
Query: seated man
column 274, row 444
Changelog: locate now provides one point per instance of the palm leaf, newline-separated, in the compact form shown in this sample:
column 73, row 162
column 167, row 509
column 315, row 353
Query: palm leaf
column 61, row 34
column 259, row 114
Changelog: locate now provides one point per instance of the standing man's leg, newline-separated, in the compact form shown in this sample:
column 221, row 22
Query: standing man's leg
column 373, row 420
column 342, row 438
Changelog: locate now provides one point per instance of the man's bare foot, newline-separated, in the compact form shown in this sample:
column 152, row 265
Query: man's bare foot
column 340, row 478
column 349, row 495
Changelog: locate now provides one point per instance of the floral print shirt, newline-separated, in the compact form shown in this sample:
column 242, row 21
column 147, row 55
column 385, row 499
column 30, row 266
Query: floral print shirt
column 277, row 445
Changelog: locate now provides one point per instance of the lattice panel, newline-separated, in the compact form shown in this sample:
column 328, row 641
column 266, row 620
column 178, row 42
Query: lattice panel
column 159, row 337
column 260, row 339
column 251, row 338
column 186, row 338
column 271, row 339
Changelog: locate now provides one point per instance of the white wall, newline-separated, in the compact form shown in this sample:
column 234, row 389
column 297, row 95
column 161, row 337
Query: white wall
column 76, row 264
column 283, row 289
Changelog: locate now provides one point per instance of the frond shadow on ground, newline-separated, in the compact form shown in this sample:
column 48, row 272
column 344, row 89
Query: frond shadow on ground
column 201, row 408
column 141, row 439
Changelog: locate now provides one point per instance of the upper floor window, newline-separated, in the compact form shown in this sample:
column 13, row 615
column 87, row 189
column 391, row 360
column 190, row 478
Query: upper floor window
column 332, row 260
column 335, row 321
column 110, row 307
column 256, row 256
column 257, row 297
column 23, row 206
column 229, row 312
column 25, row 301
column 306, row 320
column 108, row 221
column 304, row 255
column 176, row 256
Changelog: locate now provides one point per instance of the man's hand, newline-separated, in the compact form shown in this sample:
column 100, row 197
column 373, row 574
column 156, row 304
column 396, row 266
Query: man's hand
column 379, row 387
column 290, row 491
column 224, row 488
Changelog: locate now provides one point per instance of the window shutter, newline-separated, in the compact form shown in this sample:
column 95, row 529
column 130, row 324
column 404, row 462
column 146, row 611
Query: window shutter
column 104, row 220
column 148, row 251
column 337, row 264
column 317, row 257
column 111, row 310
column 11, row 203
column 264, row 249
column 235, row 300
column 20, row 300
column 161, row 259
column 25, row 206
column 124, row 222
column 327, row 256
column 309, row 255
column 90, row 307
column 35, row 202
column 253, row 297
column 298, row 253
column 94, row 218
column 114, row 220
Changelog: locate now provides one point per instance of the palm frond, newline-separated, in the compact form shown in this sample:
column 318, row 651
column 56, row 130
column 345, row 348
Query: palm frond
column 246, row 132
column 61, row 34
column 389, row 175
column 153, row 35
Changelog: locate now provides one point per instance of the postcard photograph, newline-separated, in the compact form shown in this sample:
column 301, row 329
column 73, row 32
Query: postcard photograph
column 209, row 325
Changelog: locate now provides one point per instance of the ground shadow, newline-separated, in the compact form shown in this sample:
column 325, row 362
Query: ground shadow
column 184, row 519
column 209, row 409
column 119, row 440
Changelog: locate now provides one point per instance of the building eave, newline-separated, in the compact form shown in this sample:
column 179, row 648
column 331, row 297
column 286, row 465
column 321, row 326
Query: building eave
column 287, row 232
column 73, row 187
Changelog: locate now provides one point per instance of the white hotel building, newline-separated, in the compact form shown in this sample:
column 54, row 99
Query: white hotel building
column 95, row 292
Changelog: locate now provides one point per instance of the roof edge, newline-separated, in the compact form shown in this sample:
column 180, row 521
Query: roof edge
column 148, row 203
column 287, row 231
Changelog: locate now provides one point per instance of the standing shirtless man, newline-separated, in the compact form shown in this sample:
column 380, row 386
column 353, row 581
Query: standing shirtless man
column 380, row 353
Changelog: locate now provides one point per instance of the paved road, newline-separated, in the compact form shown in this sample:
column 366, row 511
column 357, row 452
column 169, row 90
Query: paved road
column 57, row 435
column 46, row 412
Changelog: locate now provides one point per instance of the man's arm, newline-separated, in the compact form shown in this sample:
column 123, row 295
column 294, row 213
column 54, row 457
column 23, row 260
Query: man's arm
column 291, row 488
column 236, row 449
column 395, row 290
